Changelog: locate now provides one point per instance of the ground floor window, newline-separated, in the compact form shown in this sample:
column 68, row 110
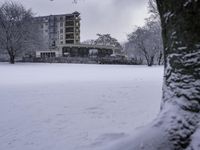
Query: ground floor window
column 47, row 54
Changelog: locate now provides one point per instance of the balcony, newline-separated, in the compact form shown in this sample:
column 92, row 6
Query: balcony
column 69, row 41
column 69, row 29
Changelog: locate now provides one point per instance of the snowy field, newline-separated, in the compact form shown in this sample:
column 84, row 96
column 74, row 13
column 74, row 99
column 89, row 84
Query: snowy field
column 74, row 107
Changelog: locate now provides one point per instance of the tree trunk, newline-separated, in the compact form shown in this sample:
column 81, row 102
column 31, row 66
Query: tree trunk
column 12, row 59
column 160, row 58
column 180, row 21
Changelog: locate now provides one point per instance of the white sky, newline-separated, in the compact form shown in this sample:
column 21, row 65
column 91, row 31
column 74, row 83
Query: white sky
column 116, row 17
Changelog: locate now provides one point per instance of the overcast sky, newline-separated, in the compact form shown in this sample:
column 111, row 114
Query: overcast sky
column 116, row 17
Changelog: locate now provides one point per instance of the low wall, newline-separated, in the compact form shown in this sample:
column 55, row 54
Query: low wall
column 82, row 60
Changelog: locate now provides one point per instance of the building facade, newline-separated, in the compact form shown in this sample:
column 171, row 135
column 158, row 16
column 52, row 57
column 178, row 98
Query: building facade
column 59, row 30
column 61, row 34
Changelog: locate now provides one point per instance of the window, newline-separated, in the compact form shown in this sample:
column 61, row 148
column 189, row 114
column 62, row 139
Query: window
column 61, row 24
column 61, row 30
column 47, row 54
column 61, row 42
column 53, row 43
column 61, row 36
column 53, row 54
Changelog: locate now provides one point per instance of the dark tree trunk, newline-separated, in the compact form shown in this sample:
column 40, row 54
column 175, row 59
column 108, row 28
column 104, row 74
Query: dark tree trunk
column 11, row 53
column 160, row 58
column 150, row 60
column 180, row 21
column 12, row 59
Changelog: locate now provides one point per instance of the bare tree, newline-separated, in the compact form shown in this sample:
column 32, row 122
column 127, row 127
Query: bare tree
column 146, row 42
column 16, row 28
column 107, row 40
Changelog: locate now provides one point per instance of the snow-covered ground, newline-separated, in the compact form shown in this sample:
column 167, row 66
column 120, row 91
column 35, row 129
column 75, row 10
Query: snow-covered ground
column 74, row 107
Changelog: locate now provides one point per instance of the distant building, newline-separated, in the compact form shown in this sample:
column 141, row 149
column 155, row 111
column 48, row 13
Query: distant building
column 60, row 29
column 61, row 34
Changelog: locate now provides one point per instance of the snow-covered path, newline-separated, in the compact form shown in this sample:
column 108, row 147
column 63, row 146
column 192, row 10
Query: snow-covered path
column 74, row 107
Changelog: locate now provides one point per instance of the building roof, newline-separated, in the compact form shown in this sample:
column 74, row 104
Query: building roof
column 60, row 15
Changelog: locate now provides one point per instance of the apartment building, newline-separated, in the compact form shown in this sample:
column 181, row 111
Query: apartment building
column 58, row 30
